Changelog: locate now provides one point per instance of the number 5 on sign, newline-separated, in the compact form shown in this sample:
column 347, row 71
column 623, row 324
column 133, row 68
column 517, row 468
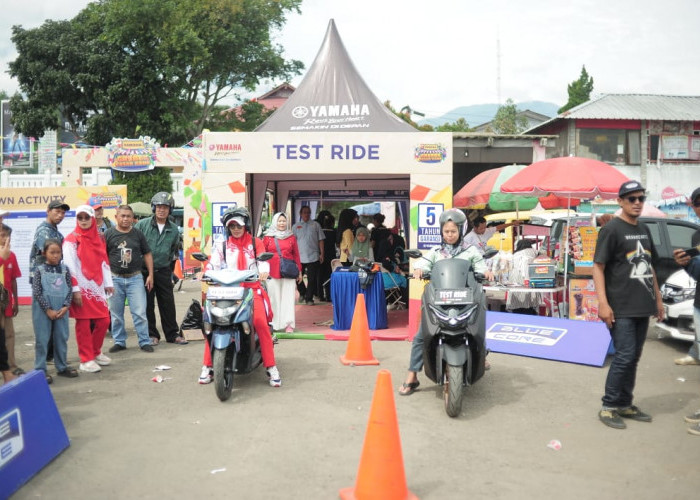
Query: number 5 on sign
column 429, row 224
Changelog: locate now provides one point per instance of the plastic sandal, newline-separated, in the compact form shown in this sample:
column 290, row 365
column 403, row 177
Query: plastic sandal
column 408, row 389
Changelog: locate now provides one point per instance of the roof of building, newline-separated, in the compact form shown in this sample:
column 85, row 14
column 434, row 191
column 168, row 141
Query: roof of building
column 632, row 107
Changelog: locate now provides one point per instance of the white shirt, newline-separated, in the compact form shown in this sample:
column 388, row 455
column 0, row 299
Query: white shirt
column 480, row 240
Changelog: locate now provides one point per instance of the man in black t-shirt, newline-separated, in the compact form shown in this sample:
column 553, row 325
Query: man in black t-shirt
column 628, row 293
column 128, row 250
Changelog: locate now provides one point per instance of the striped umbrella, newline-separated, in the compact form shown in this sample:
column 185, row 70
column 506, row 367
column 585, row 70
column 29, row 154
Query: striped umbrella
column 485, row 189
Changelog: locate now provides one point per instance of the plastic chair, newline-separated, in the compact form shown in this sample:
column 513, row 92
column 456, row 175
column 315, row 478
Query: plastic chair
column 392, row 291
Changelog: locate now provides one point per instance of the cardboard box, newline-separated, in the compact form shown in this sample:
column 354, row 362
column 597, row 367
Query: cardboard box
column 583, row 267
column 583, row 301
column 191, row 335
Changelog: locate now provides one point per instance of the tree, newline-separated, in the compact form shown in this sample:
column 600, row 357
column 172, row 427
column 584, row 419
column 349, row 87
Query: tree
column 460, row 125
column 3, row 95
column 579, row 91
column 143, row 185
column 406, row 116
column 507, row 120
column 154, row 67
column 245, row 119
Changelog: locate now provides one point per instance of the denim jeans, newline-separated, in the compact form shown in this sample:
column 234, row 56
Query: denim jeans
column 695, row 348
column 628, row 336
column 131, row 288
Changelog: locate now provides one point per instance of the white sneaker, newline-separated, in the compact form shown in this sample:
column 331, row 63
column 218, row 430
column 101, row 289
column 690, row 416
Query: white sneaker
column 103, row 360
column 206, row 376
column 274, row 374
column 90, row 367
column 686, row 360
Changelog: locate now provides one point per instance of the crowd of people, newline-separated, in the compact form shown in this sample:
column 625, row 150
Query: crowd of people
column 94, row 270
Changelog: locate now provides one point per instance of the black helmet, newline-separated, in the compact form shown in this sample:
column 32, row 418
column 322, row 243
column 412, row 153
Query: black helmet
column 239, row 214
column 453, row 215
column 162, row 198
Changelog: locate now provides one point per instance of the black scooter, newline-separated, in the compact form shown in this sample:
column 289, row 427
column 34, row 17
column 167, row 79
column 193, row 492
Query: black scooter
column 453, row 319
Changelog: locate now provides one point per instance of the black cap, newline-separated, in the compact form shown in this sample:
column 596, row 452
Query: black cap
column 58, row 204
column 695, row 195
column 630, row 187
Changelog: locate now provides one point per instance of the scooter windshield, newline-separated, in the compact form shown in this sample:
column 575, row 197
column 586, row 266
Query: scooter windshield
column 450, row 273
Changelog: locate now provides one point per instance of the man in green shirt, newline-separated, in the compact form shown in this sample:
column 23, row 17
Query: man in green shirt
column 163, row 238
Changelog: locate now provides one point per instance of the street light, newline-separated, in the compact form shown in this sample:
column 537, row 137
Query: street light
column 406, row 110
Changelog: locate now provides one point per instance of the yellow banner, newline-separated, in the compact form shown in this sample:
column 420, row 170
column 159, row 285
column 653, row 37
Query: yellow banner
column 26, row 199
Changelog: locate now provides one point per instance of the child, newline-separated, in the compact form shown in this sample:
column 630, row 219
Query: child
column 5, row 255
column 9, row 272
column 51, row 291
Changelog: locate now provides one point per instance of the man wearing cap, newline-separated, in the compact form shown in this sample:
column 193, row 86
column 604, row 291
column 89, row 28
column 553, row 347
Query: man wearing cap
column 628, row 293
column 48, row 229
column 101, row 221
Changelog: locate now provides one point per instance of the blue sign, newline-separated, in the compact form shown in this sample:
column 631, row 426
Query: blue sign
column 568, row 340
column 31, row 431
column 429, row 225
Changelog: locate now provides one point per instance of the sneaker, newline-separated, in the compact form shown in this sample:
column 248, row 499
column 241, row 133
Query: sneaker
column 289, row 329
column 274, row 374
column 117, row 348
column 90, row 367
column 686, row 360
column 634, row 413
column 207, row 375
column 611, row 419
column 147, row 348
column 103, row 360
column 694, row 418
column 695, row 429
column 310, row 302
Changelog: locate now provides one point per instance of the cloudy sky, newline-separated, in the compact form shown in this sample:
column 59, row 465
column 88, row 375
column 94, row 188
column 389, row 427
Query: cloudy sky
column 436, row 55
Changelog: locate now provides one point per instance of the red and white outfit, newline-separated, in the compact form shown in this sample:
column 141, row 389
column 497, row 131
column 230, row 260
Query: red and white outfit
column 240, row 255
column 282, row 290
column 85, row 255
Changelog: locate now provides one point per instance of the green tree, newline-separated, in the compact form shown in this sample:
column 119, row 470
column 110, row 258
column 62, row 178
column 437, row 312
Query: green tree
column 460, row 125
column 246, row 119
column 141, row 186
column 579, row 91
column 507, row 120
column 3, row 95
column 151, row 67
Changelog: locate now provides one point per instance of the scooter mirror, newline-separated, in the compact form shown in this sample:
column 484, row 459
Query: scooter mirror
column 201, row 257
column 413, row 253
column 265, row 256
column 490, row 252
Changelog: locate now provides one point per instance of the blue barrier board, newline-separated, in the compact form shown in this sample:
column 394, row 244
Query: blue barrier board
column 31, row 430
column 584, row 342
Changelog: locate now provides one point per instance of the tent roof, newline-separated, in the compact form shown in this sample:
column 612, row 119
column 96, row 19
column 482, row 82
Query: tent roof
column 333, row 97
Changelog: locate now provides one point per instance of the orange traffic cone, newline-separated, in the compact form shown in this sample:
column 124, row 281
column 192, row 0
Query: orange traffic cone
column 178, row 269
column 381, row 474
column 359, row 350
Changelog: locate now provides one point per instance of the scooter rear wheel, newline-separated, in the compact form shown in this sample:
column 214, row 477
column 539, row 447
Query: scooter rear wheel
column 223, row 373
column 453, row 390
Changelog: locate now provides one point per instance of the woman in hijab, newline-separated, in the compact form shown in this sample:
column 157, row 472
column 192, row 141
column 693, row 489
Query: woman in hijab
column 345, row 236
column 280, row 241
column 85, row 255
column 361, row 248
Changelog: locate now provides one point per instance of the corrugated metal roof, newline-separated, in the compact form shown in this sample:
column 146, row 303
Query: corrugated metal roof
column 637, row 107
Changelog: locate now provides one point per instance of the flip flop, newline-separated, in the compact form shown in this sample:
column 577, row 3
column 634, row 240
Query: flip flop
column 49, row 379
column 68, row 372
column 155, row 341
column 408, row 389
column 18, row 371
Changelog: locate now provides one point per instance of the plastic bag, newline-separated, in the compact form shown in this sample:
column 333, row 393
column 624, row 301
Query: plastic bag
column 193, row 318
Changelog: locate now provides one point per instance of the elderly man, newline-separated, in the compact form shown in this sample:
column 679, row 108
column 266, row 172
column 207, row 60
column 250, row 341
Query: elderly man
column 128, row 251
column 164, row 239
column 310, row 238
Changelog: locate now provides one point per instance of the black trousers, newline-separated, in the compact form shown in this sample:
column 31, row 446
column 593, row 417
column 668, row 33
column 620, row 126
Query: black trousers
column 307, row 291
column 162, row 291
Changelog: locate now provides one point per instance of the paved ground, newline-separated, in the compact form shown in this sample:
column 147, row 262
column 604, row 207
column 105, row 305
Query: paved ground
column 132, row 438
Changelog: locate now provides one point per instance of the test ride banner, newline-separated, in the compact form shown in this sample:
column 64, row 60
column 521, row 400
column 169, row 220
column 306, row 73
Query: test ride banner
column 584, row 342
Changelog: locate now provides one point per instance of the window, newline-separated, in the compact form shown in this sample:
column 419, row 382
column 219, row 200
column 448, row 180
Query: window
column 679, row 235
column 621, row 147
column 655, row 233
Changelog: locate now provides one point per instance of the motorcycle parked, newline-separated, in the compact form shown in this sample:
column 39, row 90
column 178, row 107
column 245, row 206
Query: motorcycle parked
column 678, row 294
column 228, row 324
column 453, row 319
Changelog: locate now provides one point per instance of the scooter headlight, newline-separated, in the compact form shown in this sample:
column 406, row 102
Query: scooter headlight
column 452, row 316
column 222, row 310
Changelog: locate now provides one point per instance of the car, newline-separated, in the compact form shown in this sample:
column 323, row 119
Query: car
column 667, row 234
column 678, row 294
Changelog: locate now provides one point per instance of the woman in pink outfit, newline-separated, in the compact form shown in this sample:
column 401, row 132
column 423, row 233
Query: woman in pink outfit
column 85, row 255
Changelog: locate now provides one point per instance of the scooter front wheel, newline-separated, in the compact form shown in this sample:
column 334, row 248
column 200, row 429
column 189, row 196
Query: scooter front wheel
column 453, row 390
column 223, row 373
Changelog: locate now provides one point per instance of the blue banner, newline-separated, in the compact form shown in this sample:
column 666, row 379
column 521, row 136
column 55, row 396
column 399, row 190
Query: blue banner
column 567, row 340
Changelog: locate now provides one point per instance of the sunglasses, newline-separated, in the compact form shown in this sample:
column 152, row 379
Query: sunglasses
column 633, row 199
column 233, row 225
column 83, row 217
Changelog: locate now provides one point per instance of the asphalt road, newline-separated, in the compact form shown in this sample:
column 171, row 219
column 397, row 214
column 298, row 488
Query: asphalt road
column 133, row 438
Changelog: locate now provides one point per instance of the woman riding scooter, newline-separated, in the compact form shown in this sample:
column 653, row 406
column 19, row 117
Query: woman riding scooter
column 240, row 253
column 452, row 247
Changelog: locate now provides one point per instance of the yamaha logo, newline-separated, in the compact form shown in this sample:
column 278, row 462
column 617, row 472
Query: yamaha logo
column 300, row 112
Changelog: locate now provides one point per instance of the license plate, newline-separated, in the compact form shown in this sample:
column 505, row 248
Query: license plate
column 457, row 296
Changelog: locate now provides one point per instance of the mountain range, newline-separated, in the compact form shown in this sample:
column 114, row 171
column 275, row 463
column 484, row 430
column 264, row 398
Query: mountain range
column 476, row 114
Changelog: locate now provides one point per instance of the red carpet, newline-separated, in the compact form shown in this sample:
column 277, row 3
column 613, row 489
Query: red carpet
column 318, row 318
